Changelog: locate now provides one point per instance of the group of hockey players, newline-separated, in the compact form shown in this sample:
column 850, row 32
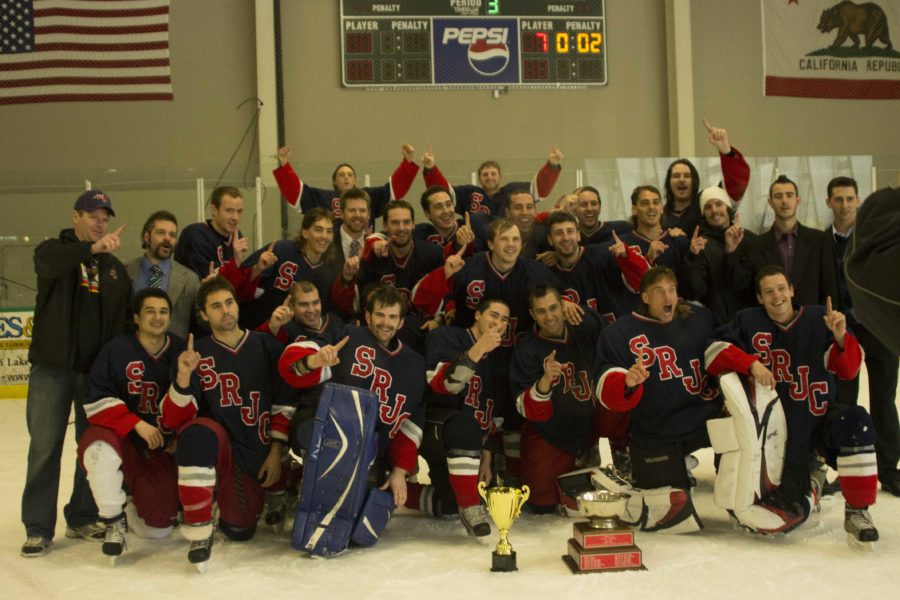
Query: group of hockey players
column 494, row 342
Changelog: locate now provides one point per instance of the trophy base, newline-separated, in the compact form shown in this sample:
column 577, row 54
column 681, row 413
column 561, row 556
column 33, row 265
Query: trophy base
column 503, row 563
column 570, row 562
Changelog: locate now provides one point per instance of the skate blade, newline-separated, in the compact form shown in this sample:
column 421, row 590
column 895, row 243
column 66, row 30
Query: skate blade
column 855, row 543
column 113, row 560
column 201, row 566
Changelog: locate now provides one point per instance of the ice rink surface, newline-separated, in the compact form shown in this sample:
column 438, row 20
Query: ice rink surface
column 420, row 557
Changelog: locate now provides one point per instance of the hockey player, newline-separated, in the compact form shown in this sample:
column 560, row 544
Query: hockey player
column 683, row 182
column 126, row 446
column 229, row 433
column 468, row 389
column 651, row 363
column 798, row 351
column 500, row 273
column 372, row 358
column 396, row 258
column 661, row 246
column 300, row 317
column 593, row 230
column 489, row 196
column 519, row 208
column 310, row 256
column 304, row 197
column 215, row 240
column 446, row 227
column 550, row 381
column 603, row 278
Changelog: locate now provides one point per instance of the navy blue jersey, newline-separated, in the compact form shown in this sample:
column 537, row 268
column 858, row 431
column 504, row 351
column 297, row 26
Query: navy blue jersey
column 274, row 283
column 304, row 197
column 801, row 355
column 676, row 400
column 479, row 279
column 330, row 332
column 404, row 273
column 673, row 256
column 486, row 393
column 199, row 244
column 474, row 198
column 479, row 221
column 396, row 375
column 595, row 280
column 237, row 388
column 128, row 383
column 565, row 416
column 602, row 235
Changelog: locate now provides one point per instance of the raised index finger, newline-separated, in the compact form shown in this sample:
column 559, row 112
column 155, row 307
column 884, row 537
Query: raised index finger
column 342, row 343
column 696, row 232
column 271, row 247
column 190, row 346
column 461, row 251
column 616, row 237
column 828, row 306
column 120, row 228
column 707, row 125
column 552, row 355
column 468, row 219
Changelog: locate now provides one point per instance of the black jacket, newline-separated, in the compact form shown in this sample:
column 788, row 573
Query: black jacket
column 812, row 273
column 57, row 264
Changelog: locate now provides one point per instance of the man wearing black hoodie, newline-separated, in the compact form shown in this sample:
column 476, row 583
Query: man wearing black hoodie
column 82, row 301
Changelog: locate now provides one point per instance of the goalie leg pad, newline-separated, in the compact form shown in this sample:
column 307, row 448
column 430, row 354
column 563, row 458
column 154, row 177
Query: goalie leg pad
column 373, row 517
column 343, row 444
column 751, row 444
column 665, row 509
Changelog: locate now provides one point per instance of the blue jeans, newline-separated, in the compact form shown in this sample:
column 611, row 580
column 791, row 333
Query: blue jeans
column 51, row 393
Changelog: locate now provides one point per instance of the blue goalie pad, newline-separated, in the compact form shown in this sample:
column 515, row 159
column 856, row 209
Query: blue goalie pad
column 343, row 444
column 373, row 518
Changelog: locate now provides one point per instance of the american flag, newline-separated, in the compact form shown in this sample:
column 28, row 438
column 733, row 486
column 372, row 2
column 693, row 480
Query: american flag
column 84, row 51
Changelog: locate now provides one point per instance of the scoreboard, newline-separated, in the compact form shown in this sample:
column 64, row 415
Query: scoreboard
column 401, row 44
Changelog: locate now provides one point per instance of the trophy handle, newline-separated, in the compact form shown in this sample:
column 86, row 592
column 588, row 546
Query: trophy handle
column 526, row 492
column 481, row 491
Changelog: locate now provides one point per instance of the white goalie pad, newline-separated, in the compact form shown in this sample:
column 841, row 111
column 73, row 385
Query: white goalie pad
column 751, row 443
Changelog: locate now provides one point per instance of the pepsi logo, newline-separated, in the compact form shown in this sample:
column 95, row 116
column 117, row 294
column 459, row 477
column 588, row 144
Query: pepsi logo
column 488, row 59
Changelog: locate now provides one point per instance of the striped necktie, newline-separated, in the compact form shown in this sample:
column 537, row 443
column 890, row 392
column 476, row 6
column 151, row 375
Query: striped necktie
column 155, row 278
column 354, row 248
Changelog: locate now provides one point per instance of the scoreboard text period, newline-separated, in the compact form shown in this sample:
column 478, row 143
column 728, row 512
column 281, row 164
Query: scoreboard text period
column 473, row 43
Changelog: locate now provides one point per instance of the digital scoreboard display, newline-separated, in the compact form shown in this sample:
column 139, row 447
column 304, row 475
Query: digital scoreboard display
column 473, row 43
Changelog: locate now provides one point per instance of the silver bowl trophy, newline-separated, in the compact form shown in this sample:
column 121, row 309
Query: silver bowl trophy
column 604, row 543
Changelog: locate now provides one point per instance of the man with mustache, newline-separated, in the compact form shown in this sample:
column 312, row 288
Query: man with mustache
column 156, row 269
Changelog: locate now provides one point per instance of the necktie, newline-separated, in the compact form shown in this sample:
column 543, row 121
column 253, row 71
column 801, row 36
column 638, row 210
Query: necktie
column 354, row 248
column 155, row 278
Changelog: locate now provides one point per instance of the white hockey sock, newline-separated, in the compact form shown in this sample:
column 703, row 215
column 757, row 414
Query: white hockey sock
column 104, row 473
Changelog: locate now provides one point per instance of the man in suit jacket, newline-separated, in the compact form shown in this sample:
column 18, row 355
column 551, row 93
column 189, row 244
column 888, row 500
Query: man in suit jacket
column 157, row 269
column 800, row 250
column 881, row 362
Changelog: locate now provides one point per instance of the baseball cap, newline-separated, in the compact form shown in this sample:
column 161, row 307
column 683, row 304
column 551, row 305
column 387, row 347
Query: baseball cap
column 92, row 200
column 714, row 193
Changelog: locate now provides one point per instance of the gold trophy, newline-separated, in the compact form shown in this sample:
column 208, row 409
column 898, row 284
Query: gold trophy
column 504, row 505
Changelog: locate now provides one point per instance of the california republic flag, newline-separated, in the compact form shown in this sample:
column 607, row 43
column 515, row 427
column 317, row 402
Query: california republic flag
column 831, row 48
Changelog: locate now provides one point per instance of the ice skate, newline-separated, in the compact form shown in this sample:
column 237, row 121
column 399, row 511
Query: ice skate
column 276, row 507
column 200, row 553
column 475, row 520
column 860, row 528
column 115, row 540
